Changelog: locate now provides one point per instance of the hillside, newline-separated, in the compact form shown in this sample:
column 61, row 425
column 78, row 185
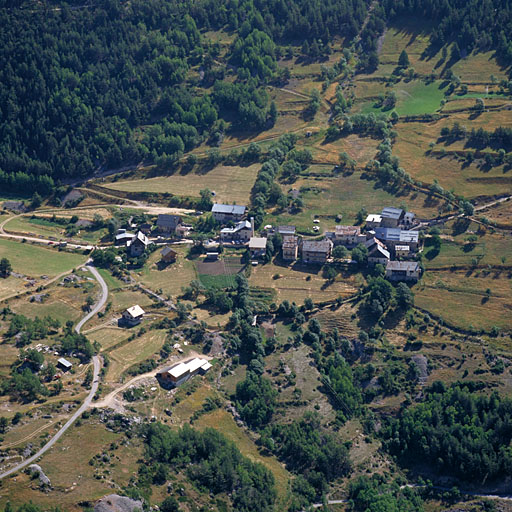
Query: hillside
column 355, row 314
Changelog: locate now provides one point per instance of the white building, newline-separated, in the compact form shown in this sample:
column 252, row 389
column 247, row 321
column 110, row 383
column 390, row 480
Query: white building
column 133, row 316
column 373, row 221
column 402, row 251
column 242, row 232
column 257, row 247
column 177, row 375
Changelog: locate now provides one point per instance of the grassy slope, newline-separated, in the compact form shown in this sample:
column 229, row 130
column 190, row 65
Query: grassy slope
column 35, row 261
column 231, row 183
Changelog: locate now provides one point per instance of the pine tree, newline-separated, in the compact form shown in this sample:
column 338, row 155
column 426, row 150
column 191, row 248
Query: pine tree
column 403, row 60
column 5, row 267
column 272, row 113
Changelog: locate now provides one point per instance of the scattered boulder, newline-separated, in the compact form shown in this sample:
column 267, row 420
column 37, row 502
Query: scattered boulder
column 72, row 198
column 44, row 481
column 15, row 206
column 38, row 297
column 83, row 223
column 116, row 503
column 27, row 452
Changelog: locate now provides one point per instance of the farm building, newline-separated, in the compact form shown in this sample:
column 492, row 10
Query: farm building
column 180, row 373
column 396, row 217
column 290, row 248
column 138, row 244
column 403, row 270
column 257, row 247
column 316, row 251
column 242, row 232
column 168, row 254
column 133, row 316
column 167, row 223
column 349, row 236
column 228, row 212
column 64, row 364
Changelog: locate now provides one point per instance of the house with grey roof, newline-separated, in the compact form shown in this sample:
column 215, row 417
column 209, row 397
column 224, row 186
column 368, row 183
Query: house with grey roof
column 403, row 270
column 168, row 255
column 396, row 217
column 167, row 223
column 349, row 236
column 257, row 247
column 228, row 212
column 391, row 217
column 286, row 230
column 123, row 238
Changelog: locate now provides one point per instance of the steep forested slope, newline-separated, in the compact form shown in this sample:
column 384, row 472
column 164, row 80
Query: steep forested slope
column 112, row 83
column 77, row 83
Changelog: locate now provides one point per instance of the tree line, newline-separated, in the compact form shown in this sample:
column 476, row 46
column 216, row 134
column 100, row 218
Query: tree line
column 471, row 25
column 500, row 138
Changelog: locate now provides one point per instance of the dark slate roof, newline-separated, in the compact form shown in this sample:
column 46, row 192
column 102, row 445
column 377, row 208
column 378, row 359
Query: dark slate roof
column 286, row 230
column 168, row 221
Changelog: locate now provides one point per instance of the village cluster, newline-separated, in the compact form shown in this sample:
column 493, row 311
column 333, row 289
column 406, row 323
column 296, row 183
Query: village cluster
column 389, row 238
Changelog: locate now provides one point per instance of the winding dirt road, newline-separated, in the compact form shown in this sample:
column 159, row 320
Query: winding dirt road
column 87, row 402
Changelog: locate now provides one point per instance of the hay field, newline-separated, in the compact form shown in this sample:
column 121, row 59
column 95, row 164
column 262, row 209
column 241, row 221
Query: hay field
column 461, row 299
column 232, row 184
column 134, row 352
column 293, row 285
column 171, row 278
